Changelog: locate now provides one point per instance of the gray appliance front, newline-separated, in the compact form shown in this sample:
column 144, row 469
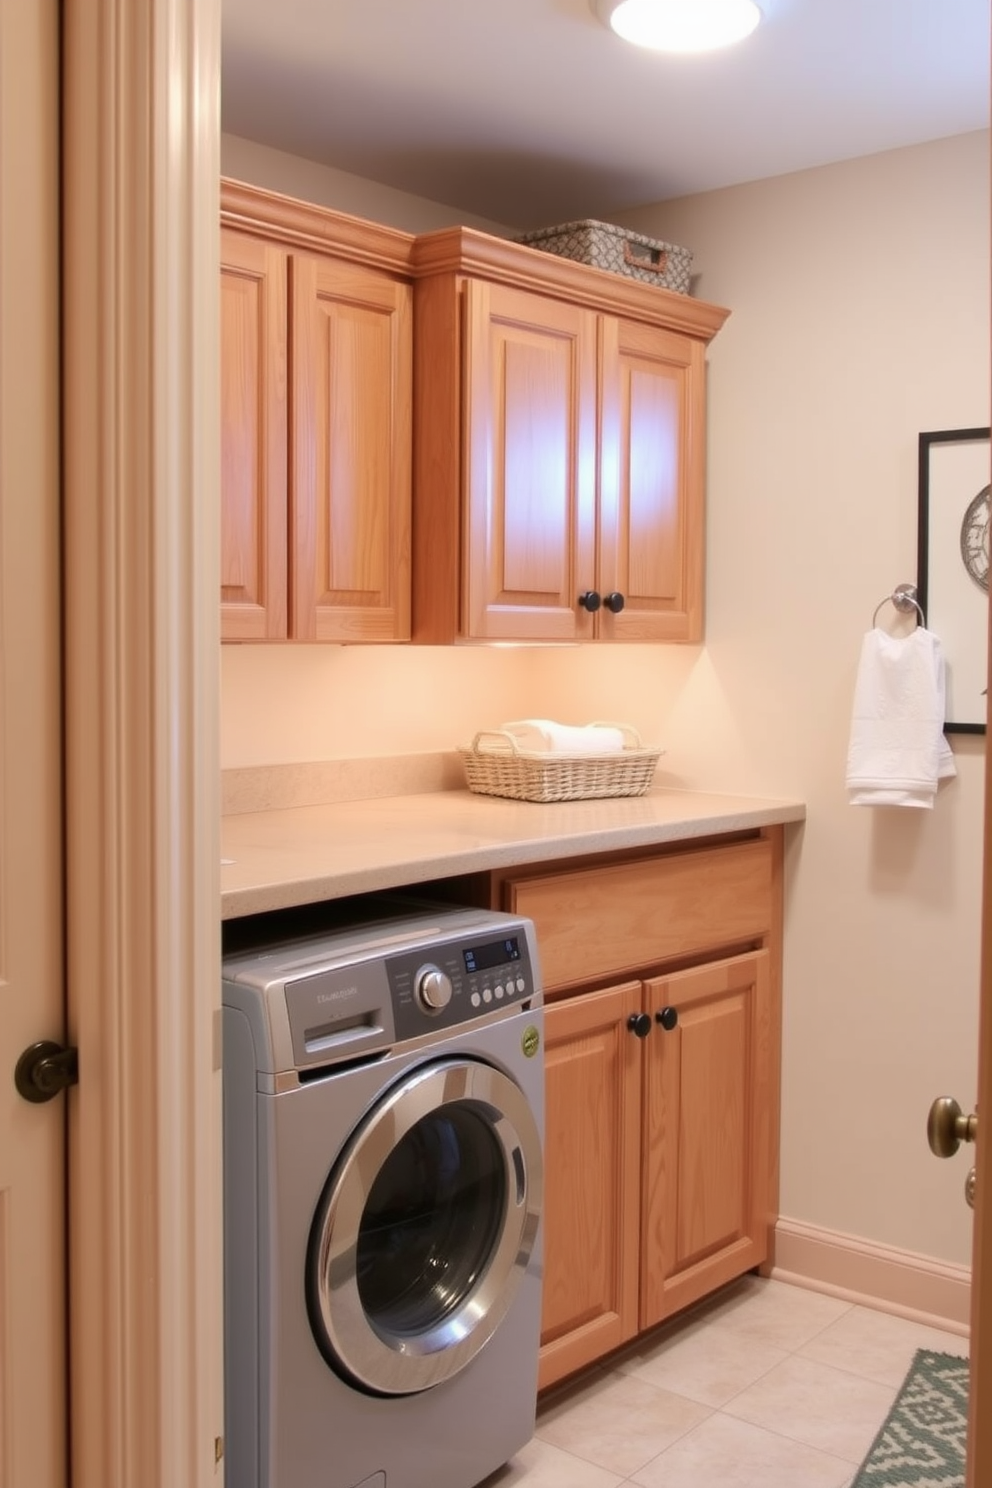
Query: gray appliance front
column 346, row 1357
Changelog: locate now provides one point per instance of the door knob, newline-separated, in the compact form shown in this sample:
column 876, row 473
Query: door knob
column 668, row 1018
column 614, row 602
column 45, row 1069
column 639, row 1024
column 590, row 601
column 948, row 1127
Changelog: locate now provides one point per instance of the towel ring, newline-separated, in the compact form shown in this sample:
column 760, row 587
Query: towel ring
column 904, row 598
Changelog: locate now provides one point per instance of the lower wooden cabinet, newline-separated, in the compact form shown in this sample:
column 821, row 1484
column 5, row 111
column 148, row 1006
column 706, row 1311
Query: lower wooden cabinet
column 592, row 1169
column 661, row 970
column 657, row 1152
column 705, row 1132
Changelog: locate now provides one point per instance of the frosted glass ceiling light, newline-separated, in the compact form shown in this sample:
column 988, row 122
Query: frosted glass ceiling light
column 680, row 25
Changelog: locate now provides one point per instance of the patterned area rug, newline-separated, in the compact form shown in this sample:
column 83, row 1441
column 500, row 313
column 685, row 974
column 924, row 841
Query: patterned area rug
column 922, row 1443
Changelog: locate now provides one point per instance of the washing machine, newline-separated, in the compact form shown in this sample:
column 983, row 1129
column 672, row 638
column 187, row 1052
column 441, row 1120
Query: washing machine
column 383, row 1124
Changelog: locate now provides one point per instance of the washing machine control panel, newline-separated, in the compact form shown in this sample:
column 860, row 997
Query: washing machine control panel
column 339, row 998
column 460, row 980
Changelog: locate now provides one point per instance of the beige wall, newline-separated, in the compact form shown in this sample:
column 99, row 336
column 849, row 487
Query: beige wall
column 860, row 296
column 244, row 160
column 860, row 317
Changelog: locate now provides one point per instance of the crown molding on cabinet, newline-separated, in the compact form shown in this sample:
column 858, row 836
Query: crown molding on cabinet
column 460, row 250
column 267, row 214
column 465, row 250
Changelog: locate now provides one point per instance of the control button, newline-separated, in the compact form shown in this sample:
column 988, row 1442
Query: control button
column 487, row 995
column 499, row 993
column 433, row 989
column 475, row 1000
column 521, row 984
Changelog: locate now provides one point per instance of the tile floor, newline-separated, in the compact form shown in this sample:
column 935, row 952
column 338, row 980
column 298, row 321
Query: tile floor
column 765, row 1385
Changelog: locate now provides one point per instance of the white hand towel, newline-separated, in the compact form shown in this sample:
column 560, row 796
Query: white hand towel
column 897, row 750
column 562, row 738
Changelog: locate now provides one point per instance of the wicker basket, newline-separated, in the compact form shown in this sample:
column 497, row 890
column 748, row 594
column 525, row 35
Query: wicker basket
column 495, row 765
column 618, row 250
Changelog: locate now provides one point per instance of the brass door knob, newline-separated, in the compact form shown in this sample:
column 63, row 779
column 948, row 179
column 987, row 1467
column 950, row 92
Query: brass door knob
column 948, row 1127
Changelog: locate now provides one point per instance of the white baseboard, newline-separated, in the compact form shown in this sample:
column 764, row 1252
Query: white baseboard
column 898, row 1281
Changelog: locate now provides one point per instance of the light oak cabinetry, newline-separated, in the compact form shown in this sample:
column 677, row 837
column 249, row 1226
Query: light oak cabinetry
column 662, row 1056
column 592, row 1183
column 254, row 302
column 316, row 445
column 705, row 1148
column 560, row 443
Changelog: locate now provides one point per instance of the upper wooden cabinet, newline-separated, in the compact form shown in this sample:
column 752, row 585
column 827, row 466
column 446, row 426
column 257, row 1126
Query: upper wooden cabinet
column 254, row 514
column 316, row 441
column 559, row 450
column 519, row 438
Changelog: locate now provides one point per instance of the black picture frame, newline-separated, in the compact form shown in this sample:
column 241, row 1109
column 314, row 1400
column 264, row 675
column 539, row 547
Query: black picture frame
column 953, row 473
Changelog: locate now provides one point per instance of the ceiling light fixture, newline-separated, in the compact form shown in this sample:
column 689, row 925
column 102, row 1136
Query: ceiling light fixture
column 680, row 25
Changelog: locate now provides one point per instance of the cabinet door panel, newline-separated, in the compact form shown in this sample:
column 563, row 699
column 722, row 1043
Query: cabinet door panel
column 530, row 399
column 706, row 1132
column 652, row 491
column 592, row 1167
column 253, row 439
column 351, row 453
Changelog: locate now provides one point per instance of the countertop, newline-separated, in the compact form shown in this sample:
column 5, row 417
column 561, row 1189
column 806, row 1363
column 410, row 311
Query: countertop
column 303, row 854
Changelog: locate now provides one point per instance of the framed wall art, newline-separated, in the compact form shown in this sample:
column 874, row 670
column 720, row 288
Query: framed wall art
column 953, row 565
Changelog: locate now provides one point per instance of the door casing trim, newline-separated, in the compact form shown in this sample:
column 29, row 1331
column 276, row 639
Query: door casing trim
column 140, row 287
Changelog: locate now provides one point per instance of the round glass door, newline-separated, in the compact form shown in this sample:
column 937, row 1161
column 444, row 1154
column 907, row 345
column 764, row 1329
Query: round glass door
column 425, row 1228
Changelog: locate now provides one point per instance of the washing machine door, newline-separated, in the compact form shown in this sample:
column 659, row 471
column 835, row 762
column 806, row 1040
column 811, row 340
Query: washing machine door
column 425, row 1228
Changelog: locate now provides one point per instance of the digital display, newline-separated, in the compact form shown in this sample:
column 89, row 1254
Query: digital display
column 495, row 953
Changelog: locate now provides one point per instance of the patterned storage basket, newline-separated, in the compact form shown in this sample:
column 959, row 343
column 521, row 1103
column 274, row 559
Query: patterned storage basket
column 495, row 765
column 615, row 248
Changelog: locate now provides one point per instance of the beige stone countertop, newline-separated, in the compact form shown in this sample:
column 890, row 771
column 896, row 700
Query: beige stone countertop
column 303, row 854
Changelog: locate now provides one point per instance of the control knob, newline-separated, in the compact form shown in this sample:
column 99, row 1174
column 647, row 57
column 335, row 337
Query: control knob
column 432, row 988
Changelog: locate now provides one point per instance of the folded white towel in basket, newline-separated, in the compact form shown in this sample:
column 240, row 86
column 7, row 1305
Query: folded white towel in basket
column 562, row 738
column 897, row 750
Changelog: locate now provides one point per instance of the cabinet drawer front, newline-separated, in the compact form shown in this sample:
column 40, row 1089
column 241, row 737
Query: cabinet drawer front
column 620, row 919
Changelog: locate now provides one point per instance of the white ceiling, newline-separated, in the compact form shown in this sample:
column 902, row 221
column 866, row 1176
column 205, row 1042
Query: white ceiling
column 531, row 112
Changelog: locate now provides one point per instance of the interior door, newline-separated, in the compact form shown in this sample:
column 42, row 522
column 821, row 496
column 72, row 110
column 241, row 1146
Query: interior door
column 979, row 1415
column 32, row 1241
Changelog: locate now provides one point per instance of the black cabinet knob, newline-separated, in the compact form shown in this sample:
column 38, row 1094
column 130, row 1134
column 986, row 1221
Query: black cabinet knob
column 668, row 1018
column 639, row 1024
column 614, row 602
column 590, row 601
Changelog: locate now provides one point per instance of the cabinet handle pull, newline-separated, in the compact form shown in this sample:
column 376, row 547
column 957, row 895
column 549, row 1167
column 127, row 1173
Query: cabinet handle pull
column 614, row 602
column 639, row 1024
column 668, row 1018
column 655, row 260
column 590, row 600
